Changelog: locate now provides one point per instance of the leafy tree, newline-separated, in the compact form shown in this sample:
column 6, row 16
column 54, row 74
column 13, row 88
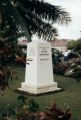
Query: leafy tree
column 71, row 44
column 75, row 45
column 78, row 44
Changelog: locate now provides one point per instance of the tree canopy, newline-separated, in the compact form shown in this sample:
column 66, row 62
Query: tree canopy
column 30, row 17
column 75, row 44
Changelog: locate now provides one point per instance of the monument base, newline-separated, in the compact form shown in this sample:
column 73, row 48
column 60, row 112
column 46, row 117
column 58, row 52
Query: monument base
column 39, row 89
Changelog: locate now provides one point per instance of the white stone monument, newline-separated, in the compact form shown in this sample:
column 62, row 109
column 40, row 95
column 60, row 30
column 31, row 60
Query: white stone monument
column 39, row 71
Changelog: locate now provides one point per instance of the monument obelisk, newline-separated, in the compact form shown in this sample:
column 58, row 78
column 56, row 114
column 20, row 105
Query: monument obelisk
column 39, row 71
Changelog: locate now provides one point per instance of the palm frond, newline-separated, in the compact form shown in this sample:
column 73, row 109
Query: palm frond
column 34, row 17
column 45, row 10
column 36, row 25
column 12, row 15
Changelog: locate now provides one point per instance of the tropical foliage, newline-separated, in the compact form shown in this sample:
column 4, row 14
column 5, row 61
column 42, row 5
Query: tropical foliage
column 30, row 17
column 56, row 56
column 53, row 112
column 71, row 44
column 75, row 45
column 24, row 18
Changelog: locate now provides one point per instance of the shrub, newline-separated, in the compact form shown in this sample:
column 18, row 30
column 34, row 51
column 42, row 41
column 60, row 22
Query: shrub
column 60, row 68
column 53, row 112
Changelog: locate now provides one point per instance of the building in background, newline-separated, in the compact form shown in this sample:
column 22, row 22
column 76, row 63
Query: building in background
column 60, row 45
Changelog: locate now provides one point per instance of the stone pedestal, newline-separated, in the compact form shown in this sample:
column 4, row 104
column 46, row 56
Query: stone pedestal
column 39, row 71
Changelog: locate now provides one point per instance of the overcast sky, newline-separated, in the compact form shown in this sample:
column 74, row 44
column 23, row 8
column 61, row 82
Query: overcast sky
column 72, row 31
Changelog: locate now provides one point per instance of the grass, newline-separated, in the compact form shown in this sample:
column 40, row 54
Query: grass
column 71, row 95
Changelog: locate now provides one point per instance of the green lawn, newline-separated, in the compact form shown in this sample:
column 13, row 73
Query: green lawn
column 71, row 94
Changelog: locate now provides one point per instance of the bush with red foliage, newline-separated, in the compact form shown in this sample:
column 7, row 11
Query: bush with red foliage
column 52, row 113
column 55, row 113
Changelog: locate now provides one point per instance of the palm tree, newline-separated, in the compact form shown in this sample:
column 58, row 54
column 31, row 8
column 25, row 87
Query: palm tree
column 25, row 18
column 30, row 17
